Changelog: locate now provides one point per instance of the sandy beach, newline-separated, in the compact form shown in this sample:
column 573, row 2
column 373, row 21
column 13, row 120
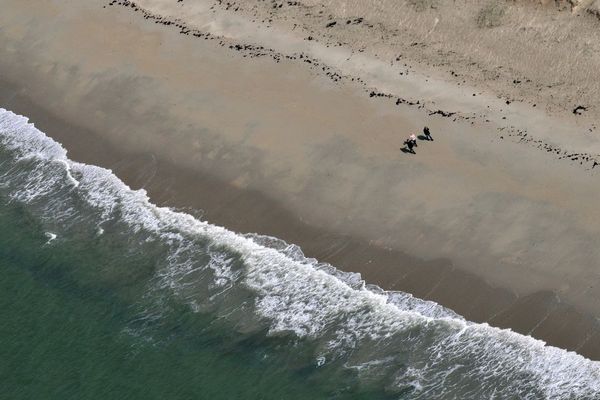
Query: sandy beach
column 258, row 129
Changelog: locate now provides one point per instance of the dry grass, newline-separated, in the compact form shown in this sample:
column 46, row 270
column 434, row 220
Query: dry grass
column 491, row 14
column 422, row 5
column 552, row 55
column 515, row 49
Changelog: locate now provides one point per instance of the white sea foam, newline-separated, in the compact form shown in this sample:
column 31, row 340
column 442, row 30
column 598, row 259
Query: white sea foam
column 51, row 236
column 368, row 328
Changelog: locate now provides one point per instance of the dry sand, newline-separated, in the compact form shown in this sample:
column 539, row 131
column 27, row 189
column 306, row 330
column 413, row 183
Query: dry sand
column 488, row 219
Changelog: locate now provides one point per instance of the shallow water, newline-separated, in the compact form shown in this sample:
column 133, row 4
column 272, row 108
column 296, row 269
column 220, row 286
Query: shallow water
column 106, row 295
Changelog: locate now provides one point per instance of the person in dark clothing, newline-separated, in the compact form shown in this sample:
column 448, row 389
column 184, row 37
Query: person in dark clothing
column 409, row 145
column 427, row 134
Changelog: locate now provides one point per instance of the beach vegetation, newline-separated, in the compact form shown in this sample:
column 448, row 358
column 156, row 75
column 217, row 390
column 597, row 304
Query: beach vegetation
column 422, row 5
column 491, row 14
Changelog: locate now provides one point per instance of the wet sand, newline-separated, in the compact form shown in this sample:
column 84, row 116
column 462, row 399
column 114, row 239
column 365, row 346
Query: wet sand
column 472, row 221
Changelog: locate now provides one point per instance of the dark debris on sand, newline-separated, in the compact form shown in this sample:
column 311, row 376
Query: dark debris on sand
column 252, row 51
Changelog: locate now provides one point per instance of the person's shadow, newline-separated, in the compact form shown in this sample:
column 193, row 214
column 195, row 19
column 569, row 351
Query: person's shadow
column 422, row 137
column 407, row 151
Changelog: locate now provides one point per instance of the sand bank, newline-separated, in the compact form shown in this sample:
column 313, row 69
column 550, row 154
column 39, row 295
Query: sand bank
column 480, row 221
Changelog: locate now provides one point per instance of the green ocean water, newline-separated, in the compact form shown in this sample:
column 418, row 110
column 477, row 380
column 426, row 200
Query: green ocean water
column 64, row 337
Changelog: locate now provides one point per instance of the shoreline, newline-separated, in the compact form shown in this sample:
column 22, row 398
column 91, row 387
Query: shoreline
column 345, row 205
column 288, row 303
column 169, row 186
